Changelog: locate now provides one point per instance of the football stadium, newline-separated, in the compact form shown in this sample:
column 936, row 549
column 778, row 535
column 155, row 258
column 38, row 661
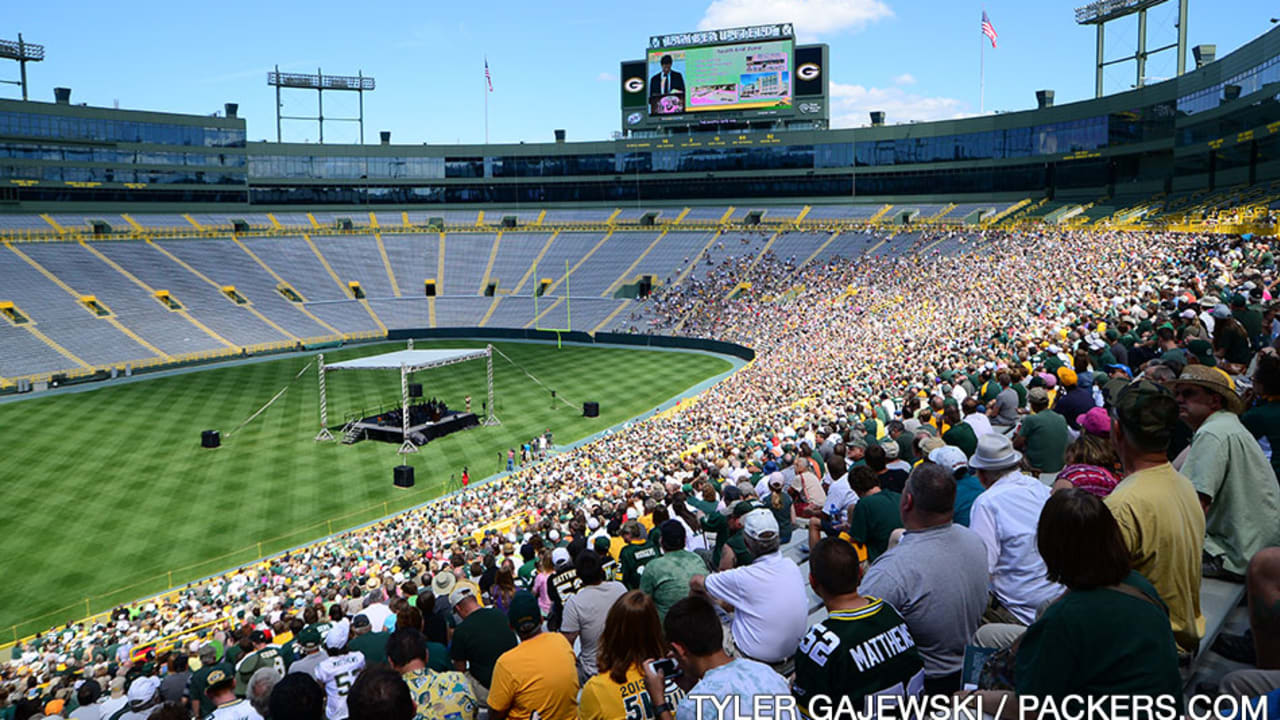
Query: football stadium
column 743, row 410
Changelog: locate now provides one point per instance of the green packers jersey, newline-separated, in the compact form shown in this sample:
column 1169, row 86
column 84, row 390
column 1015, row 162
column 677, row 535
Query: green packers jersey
column 268, row 656
column 857, row 654
column 631, row 562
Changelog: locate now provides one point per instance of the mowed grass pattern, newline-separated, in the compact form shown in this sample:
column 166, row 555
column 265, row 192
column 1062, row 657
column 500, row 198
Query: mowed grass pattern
column 107, row 492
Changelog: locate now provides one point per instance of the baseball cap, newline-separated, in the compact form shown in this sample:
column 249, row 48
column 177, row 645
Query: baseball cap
column 949, row 456
column 602, row 543
column 218, row 677
column 524, row 613
column 460, row 593
column 257, row 636
column 309, row 637
column 337, row 637
column 361, row 621
column 1038, row 395
column 1095, row 422
column 1123, row 368
column 143, row 689
column 742, row 508
column 560, row 556
column 760, row 524
column 1146, row 409
column 208, row 653
column 1203, row 351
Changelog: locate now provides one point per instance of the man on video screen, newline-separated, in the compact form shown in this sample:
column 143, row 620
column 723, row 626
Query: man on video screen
column 666, row 82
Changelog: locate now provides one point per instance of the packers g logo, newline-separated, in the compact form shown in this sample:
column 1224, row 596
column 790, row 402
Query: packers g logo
column 808, row 71
column 633, row 84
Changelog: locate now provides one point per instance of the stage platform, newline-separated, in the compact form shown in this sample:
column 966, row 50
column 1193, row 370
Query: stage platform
column 387, row 429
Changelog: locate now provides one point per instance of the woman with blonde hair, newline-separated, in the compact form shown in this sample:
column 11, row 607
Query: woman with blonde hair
column 632, row 633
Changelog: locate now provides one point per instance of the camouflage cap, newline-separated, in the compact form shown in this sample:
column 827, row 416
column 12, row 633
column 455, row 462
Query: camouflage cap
column 1146, row 411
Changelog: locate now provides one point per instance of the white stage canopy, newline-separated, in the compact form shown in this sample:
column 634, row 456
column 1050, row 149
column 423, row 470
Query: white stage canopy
column 410, row 360
column 407, row 361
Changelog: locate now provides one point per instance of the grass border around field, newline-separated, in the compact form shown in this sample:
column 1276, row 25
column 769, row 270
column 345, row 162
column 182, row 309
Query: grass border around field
column 735, row 363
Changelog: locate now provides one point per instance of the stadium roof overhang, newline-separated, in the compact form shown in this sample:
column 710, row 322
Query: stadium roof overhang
column 410, row 360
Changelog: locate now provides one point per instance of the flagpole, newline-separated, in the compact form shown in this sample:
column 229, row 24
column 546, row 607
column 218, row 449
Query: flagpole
column 982, row 72
column 486, row 101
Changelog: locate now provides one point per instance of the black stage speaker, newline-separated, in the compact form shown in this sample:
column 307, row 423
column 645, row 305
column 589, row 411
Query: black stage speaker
column 210, row 439
column 404, row 476
column 415, row 389
column 591, row 409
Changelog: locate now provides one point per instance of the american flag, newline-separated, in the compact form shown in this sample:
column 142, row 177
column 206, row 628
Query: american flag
column 988, row 29
column 488, row 79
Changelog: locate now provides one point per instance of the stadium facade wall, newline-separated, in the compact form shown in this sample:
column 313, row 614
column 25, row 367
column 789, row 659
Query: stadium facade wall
column 1213, row 127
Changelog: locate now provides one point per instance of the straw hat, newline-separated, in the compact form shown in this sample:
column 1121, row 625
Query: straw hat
column 1214, row 380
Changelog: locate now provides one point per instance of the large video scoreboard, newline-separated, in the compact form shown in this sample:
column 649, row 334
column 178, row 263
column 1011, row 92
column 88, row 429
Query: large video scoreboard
column 715, row 76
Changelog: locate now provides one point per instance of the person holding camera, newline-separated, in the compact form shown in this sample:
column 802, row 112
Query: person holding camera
column 697, row 642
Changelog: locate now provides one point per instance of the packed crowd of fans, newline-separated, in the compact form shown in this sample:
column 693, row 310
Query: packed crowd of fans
column 1037, row 445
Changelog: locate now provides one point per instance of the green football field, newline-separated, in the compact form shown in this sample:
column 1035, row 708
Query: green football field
column 108, row 495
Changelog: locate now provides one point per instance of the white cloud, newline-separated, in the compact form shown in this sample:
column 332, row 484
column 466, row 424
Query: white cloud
column 905, row 79
column 607, row 77
column 811, row 17
column 851, row 103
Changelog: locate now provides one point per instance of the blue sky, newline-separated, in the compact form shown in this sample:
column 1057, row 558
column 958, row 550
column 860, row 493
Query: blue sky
column 555, row 63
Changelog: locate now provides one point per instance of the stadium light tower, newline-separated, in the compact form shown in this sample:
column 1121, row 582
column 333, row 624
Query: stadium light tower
column 23, row 52
column 320, row 82
column 1101, row 12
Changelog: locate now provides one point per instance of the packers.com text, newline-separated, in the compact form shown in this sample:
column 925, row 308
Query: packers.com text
column 975, row 707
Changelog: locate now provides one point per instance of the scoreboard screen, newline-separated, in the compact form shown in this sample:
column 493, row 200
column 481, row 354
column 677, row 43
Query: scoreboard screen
column 700, row 72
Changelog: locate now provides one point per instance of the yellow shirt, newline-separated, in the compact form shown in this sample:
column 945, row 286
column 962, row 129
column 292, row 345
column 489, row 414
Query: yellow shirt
column 1163, row 526
column 537, row 676
column 604, row 699
column 615, row 546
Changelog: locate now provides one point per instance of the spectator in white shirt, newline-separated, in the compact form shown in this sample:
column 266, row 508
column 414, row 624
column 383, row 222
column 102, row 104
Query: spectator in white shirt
column 770, row 608
column 835, row 510
column 976, row 417
column 1005, row 516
